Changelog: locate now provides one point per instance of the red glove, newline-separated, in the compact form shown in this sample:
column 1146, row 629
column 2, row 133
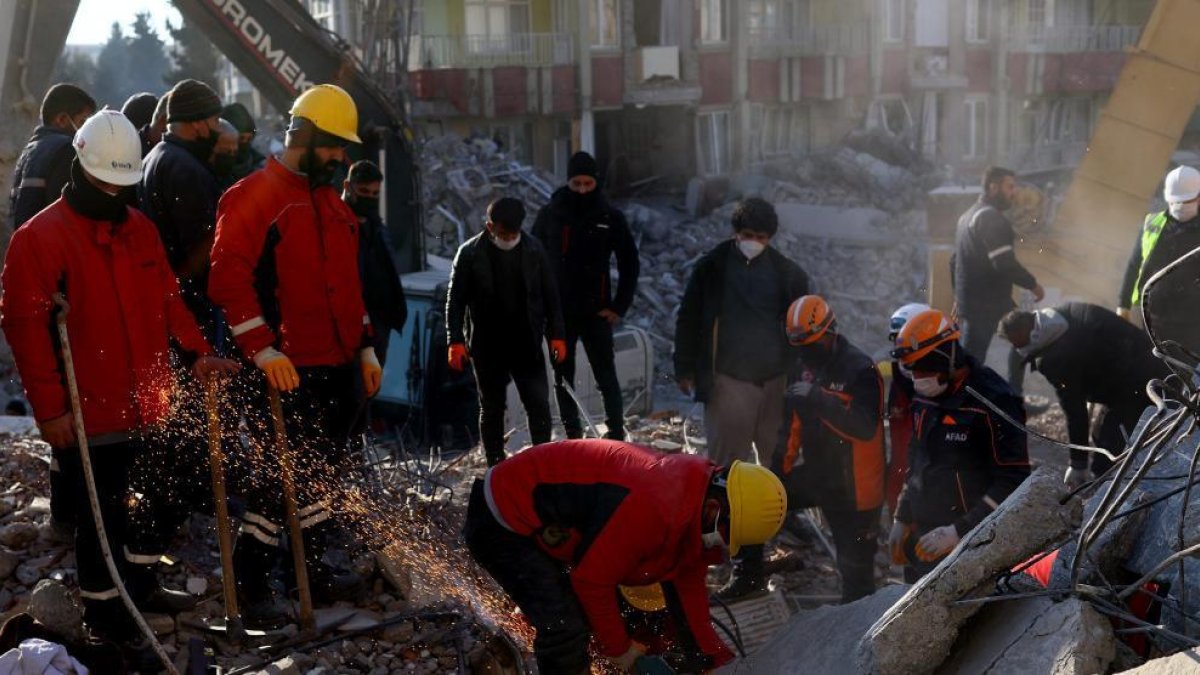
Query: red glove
column 558, row 350
column 457, row 357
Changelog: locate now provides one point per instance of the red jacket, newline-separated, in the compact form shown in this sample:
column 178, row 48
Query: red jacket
column 900, row 428
column 627, row 514
column 285, row 269
column 124, row 305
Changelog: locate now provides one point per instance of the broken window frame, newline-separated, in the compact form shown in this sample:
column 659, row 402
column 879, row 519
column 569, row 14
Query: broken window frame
column 975, row 130
column 713, row 149
column 714, row 32
column 605, row 34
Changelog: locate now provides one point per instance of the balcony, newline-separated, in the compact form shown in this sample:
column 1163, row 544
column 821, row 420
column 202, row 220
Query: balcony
column 1072, row 39
column 815, row 40
column 531, row 50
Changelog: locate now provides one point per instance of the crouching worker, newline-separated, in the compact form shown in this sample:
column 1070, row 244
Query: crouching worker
column 614, row 514
column 965, row 459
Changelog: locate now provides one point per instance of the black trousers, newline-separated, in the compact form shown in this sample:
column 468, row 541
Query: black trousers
column 539, row 584
column 492, row 374
column 597, row 337
column 856, row 538
column 978, row 329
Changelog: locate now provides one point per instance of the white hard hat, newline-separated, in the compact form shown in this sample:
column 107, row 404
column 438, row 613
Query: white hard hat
column 109, row 148
column 1182, row 185
column 902, row 315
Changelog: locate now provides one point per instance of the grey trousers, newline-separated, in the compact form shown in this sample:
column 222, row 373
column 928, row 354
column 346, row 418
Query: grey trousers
column 741, row 419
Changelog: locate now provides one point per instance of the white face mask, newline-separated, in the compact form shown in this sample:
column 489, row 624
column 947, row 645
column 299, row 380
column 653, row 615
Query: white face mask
column 506, row 245
column 929, row 387
column 1183, row 211
column 751, row 248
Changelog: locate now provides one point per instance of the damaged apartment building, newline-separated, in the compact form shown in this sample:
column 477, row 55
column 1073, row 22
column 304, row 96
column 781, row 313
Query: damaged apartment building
column 670, row 89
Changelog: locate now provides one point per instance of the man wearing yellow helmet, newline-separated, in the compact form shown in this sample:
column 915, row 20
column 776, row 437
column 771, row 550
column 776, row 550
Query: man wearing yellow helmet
column 964, row 459
column 285, row 272
column 560, row 526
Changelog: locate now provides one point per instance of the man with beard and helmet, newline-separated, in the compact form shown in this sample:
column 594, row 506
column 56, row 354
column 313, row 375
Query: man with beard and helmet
column 106, row 260
column 581, row 232
column 285, row 272
column 984, row 269
column 899, row 409
column 382, row 292
column 964, row 459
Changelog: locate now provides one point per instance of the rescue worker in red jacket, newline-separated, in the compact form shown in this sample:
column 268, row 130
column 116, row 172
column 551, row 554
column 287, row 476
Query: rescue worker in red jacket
column 899, row 410
column 964, row 459
column 107, row 261
column 830, row 449
column 285, row 272
column 561, row 525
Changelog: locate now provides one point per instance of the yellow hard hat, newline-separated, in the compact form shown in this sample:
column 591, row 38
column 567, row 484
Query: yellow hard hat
column 757, row 505
column 330, row 109
column 645, row 598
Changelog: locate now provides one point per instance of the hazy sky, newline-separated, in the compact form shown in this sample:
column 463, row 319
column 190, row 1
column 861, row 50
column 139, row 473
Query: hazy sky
column 94, row 20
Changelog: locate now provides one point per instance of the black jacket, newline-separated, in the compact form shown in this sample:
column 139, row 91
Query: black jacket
column 838, row 430
column 43, row 168
column 383, row 294
column 964, row 459
column 180, row 193
column 984, row 266
column 580, row 247
column 696, row 325
column 1178, row 289
column 1101, row 358
column 470, row 297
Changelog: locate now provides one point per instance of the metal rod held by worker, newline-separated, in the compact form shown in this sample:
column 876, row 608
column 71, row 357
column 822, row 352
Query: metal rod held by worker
column 307, row 622
column 90, row 481
column 233, row 619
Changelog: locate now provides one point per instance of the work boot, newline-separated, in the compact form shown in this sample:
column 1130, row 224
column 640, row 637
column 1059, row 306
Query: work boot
column 615, row 434
column 747, row 579
column 151, row 596
column 264, row 611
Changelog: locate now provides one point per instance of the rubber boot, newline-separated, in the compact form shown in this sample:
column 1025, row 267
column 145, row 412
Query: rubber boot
column 151, row 596
column 261, row 606
column 328, row 583
column 747, row 579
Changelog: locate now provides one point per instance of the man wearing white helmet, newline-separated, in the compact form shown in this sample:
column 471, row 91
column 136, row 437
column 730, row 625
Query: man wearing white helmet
column 1164, row 237
column 108, row 261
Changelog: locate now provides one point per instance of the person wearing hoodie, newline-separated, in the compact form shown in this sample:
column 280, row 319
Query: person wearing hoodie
column 581, row 232
column 1090, row 355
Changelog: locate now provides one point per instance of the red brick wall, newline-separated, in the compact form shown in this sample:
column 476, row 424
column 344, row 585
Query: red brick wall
column 812, row 76
column 858, row 76
column 564, row 89
column 508, row 91
column 895, row 79
column 1018, row 72
column 608, row 80
column 443, row 85
column 764, row 80
column 1090, row 71
column 979, row 70
column 716, row 78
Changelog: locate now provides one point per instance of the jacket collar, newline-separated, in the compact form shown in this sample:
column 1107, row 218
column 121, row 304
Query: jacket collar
column 280, row 171
column 102, row 232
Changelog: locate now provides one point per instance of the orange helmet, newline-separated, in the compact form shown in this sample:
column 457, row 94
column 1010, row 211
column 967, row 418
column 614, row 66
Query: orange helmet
column 922, row 335
column 808, row 318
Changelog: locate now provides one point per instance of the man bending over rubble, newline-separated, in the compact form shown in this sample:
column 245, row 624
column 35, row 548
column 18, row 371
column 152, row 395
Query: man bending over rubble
column 561, row 525
column 964, row 459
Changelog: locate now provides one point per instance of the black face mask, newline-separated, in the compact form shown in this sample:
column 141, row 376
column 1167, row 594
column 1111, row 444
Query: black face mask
column 365, row 207
column 201, row 147
column 92, row 202
column 223, row 165
column 243, row 153
column 583, row 202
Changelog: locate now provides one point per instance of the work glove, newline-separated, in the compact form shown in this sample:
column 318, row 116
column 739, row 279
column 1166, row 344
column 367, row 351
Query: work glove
column 558, row 350
column 213, row 365
column 801, row 388
column 1075, row 478
column 897, row 539
column 280, row 372
column 457, row 357
column 937, row 543
column 372, row 372
column 626, row 661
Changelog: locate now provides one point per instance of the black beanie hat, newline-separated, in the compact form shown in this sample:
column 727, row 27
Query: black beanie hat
column 581, row 164
column 239, row 117
column 192, row 101
column 139, row 108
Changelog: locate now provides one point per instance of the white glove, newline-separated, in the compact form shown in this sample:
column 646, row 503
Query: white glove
column 937, row 543
column 1075, row 478
column 801, row 388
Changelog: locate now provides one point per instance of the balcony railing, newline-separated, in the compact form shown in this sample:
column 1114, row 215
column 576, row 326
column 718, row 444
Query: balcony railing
column 841, row 39
column 429, row 52
column 1073, row 39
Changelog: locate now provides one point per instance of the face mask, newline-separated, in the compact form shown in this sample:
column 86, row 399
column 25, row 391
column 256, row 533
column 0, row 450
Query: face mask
column 583, row 201
column 751, row 248
column 243, row 153
column 506, row 245
column 1183, row 211
column 202, row 146
column 365, row 207
column 223, row 165
column 929, row 387
column 91, row 201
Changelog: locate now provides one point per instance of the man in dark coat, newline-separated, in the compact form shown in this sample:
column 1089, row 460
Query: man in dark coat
column 382, row 292
column 44, row 166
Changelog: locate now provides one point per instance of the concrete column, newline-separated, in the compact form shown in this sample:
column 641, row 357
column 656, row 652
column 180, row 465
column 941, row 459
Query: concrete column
column 955, row 119
column 739, row 35
column 1002, row 113
column 587, row 123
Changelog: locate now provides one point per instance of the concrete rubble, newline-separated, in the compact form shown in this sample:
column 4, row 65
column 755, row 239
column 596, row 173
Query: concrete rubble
column 1183, row 663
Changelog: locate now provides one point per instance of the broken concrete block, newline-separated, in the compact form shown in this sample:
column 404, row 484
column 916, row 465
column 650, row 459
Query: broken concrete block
column 819, row 641
column 54, row 606
column 917, row 633
column 1183, row 663
column 1108, row 553
column 1034, row 635
column 403, row 574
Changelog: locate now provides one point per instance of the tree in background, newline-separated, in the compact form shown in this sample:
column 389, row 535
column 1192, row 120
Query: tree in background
column 76, row 68
column 147, row 58
column 112, row 69
column 194, row 56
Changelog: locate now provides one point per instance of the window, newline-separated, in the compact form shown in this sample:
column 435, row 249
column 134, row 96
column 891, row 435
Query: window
column 322, row 11
column 780, row 130
column 603, row 21
column 496, row 25
column 712, row 143
column 893, row 20
column 977, row 20
column 777, row 20
column 975, row 125
column 1040, row 13
column 714, row 21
